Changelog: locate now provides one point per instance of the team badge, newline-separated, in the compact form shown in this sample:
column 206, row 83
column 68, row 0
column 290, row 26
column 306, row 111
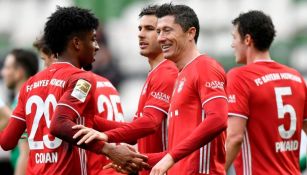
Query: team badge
column 81, row 90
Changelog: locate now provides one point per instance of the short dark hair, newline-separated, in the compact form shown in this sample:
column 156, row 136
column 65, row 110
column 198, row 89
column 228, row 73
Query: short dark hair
column 27, row 60
column 65, row 23
column 184, row 16
column 259, row 26
column 41, row 45
column 149, row 10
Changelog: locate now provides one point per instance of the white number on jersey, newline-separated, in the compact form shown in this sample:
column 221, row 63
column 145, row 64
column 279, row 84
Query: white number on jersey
column 42, row 109
column 111, row 107
column 282, row 109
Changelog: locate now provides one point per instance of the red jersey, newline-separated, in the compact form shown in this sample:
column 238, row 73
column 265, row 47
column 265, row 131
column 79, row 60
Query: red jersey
column 108, row 106
column 272, row 98
column 200, row 81
column 156, row 93
column 38, row 98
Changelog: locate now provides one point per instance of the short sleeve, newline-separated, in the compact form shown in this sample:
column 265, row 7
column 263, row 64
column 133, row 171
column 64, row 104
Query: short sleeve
column 160, row 88
column 80, row 90
column 211, row 82
column 238, row 95
column 19, row 111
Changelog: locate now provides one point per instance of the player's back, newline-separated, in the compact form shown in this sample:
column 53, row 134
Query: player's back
column 39, row 97
column 275, row 105
column 108, row 106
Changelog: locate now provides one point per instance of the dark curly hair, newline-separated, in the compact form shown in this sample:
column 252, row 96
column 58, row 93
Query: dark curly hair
column 149, row 10
column 65, row 23
column 184, row 16
column 259, row 26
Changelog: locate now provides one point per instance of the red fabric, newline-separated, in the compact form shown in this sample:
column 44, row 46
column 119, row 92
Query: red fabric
column 154, row 158
column 10, row 136
column 102, row 124
column 40, row 95
column 272, row 97
column 214, row 123
column 108, row 107
column 61, row 126
column 141, row 127
column 201, row 81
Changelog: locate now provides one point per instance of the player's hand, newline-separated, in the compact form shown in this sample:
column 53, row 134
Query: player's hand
column 128, row 169
column 125, row 157
column 163, row 165
column 88, row 134
column 116, row 168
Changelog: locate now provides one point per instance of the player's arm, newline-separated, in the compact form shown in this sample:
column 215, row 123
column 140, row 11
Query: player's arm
column 10, row 136
column 235, row 134
column 141, row 127
column 128, row 132
column 102, row 124
column 61, row 127
column 214, row 123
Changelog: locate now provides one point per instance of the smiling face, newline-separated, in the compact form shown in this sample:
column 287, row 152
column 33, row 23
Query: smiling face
column 88, row 49
column 239, row 46
column 171, row 37
column 149, row 46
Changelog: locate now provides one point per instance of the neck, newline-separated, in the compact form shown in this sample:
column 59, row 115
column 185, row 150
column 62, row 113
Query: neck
column 187, row 56
column 154, row 62
column 66, row 57
column 18, row 86
column 258, row 55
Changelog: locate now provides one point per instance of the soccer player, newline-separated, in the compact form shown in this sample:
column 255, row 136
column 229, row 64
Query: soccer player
column 54, row 100
column 107, row 105
column 19, row 66
column 267, row 103
column 198, row 109
column 149, row 126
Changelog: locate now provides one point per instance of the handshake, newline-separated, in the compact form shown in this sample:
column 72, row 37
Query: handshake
column 125, row 158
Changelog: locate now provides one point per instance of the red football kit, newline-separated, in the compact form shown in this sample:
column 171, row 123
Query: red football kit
column 108, row 106
column 197, row 117
column 272, row 98
column 69, row 89
column 150, row 124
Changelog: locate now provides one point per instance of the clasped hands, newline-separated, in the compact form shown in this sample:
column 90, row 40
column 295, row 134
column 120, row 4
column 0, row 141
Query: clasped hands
column 125, row 158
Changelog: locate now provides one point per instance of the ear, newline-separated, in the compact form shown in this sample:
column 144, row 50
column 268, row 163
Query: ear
column 248, row 40
column 191, row 33
column 76, row 42
column 20, row 73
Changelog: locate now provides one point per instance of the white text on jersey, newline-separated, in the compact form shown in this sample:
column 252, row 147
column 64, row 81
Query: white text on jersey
column 46, row 157
column 43, row 83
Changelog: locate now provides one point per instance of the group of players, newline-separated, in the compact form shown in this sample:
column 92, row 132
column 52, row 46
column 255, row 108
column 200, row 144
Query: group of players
column 187, row 103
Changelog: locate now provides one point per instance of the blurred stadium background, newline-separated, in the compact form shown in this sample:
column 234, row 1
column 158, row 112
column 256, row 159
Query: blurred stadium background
column 22, row 21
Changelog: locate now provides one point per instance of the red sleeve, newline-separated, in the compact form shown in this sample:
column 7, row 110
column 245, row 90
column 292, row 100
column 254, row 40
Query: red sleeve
column 238, row 94
column 79, row 92
column 12, row 133
column 160, row 89
column 211, row 81
column 154, row 158
column 102, row 124
column 141, row 127
column 214, row 123
column 61, row 127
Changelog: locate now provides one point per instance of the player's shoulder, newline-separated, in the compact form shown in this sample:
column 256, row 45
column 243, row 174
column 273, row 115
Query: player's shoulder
column 167, row 66
column 207, row 63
